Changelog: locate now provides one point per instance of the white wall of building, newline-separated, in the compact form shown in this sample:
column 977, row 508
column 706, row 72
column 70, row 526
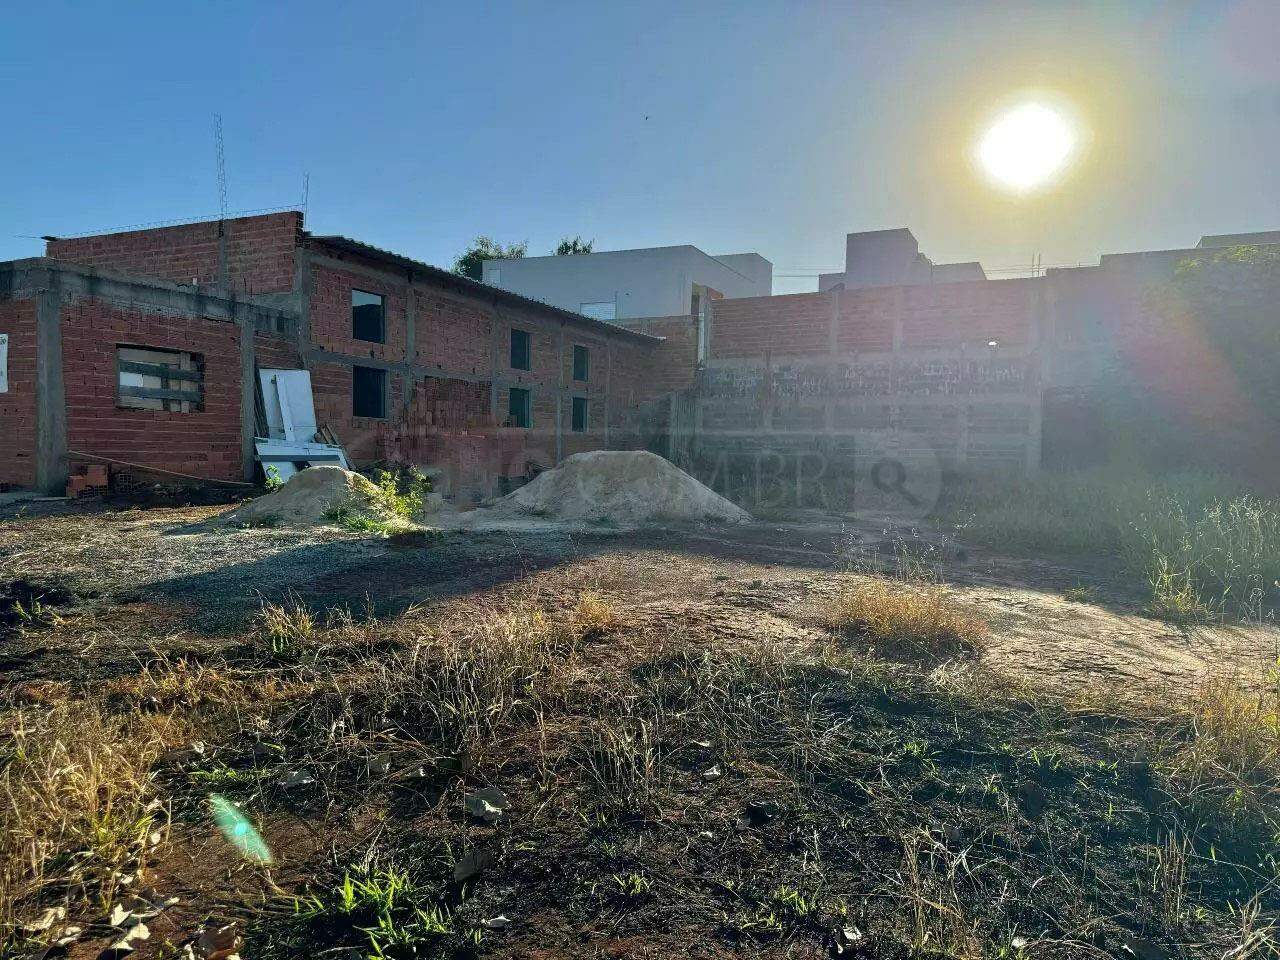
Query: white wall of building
column 653, row 282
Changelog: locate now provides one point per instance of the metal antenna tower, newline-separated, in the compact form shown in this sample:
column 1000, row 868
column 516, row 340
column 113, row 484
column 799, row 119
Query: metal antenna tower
column 222, row 167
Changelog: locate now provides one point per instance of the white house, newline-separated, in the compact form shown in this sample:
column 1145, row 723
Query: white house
column 630, row 284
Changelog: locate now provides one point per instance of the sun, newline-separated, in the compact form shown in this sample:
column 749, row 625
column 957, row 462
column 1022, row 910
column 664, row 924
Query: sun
column 1027, row 147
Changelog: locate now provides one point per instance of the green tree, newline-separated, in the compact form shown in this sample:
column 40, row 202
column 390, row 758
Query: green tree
column 470, row 263
column 568, row 247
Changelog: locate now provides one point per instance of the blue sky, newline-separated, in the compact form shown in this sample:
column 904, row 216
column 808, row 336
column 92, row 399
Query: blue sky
column 736, row 126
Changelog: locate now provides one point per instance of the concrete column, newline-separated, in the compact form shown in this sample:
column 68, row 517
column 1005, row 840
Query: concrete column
column 302, row 298
column 495, row 350
column 248, row 397
column 560, row 388
column 51, row 397
column 410, row 346
column 1036, row 381
column 223, row 280
column 608, row 387
column 833, row 349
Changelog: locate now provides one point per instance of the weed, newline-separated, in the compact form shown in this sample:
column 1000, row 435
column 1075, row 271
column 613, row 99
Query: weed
column 357, row 521
column 594, row 616
column 77, row 800
column 631, row 886
column 1197, row 543
column 383, row 905
column 1225, row 757
column 623, row 760
column 905, row 618
column 288, row 628
column 403, row 491
column 271, row 480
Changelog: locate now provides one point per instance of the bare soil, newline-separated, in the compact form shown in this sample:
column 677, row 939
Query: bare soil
column 180, row 577
column 787, row 803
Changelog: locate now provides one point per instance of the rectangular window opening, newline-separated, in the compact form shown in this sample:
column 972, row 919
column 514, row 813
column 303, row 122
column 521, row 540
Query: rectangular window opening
column 368, row 392
column 368, row 316
column 519, row 408
column 580, row 414
column 520, row 349
column 581, row 363
column 150, row 379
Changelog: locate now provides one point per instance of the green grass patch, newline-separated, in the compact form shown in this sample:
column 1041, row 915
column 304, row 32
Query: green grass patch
column 1198, row 546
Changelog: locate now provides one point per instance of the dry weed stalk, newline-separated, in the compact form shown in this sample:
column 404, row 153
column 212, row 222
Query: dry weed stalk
column 906, row 618
column 77, row 801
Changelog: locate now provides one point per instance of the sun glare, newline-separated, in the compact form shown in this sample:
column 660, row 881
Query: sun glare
column 1026, row 147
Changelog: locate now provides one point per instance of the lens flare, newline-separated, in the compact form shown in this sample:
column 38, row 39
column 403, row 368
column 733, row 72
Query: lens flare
column 240, row 833
column 1027, row 147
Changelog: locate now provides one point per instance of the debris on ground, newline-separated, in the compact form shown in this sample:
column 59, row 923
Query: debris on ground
column 311, row 498
column 218, row 943
column 471, row 866
column 488, row 804
column 623, row 488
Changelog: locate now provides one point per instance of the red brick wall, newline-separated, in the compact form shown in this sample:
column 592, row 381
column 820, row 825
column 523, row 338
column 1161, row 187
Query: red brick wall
column 934, row 316
column 203, row 444
column 331, row 314
column 275, row 352
column 363, row 438
column 260, row 252
column 865, row 320
column 452, row 332
column 747, row 327
column 18, row 406
column 946, row 315
column 673, row 364
column 449, row 421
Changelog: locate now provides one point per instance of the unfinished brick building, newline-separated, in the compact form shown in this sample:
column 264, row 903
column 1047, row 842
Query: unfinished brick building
column 145, row 348
column 142, row 348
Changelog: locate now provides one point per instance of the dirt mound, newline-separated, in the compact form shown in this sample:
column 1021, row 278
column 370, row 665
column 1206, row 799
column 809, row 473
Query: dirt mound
column 621, row 487
column 309, row 495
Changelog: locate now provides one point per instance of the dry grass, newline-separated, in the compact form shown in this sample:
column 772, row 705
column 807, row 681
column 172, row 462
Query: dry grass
column 594, row 616
column 915, row 619
column 703, row 781
column 1224, row 756
column 78, row 803
column 455, row 683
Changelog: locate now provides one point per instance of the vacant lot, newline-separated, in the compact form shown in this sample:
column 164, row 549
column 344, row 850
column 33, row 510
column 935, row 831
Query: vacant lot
column 785, row 740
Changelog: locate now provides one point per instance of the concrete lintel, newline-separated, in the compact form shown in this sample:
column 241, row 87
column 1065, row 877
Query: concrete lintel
column 420, row 372
column 74, row 280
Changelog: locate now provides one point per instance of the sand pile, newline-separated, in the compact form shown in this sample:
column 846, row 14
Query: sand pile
column 621, row 487
column 309, row 495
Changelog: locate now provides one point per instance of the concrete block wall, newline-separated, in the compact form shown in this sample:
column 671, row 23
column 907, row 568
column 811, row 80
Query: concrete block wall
column 945, row 372
column 18, row 404
column 248, row 254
